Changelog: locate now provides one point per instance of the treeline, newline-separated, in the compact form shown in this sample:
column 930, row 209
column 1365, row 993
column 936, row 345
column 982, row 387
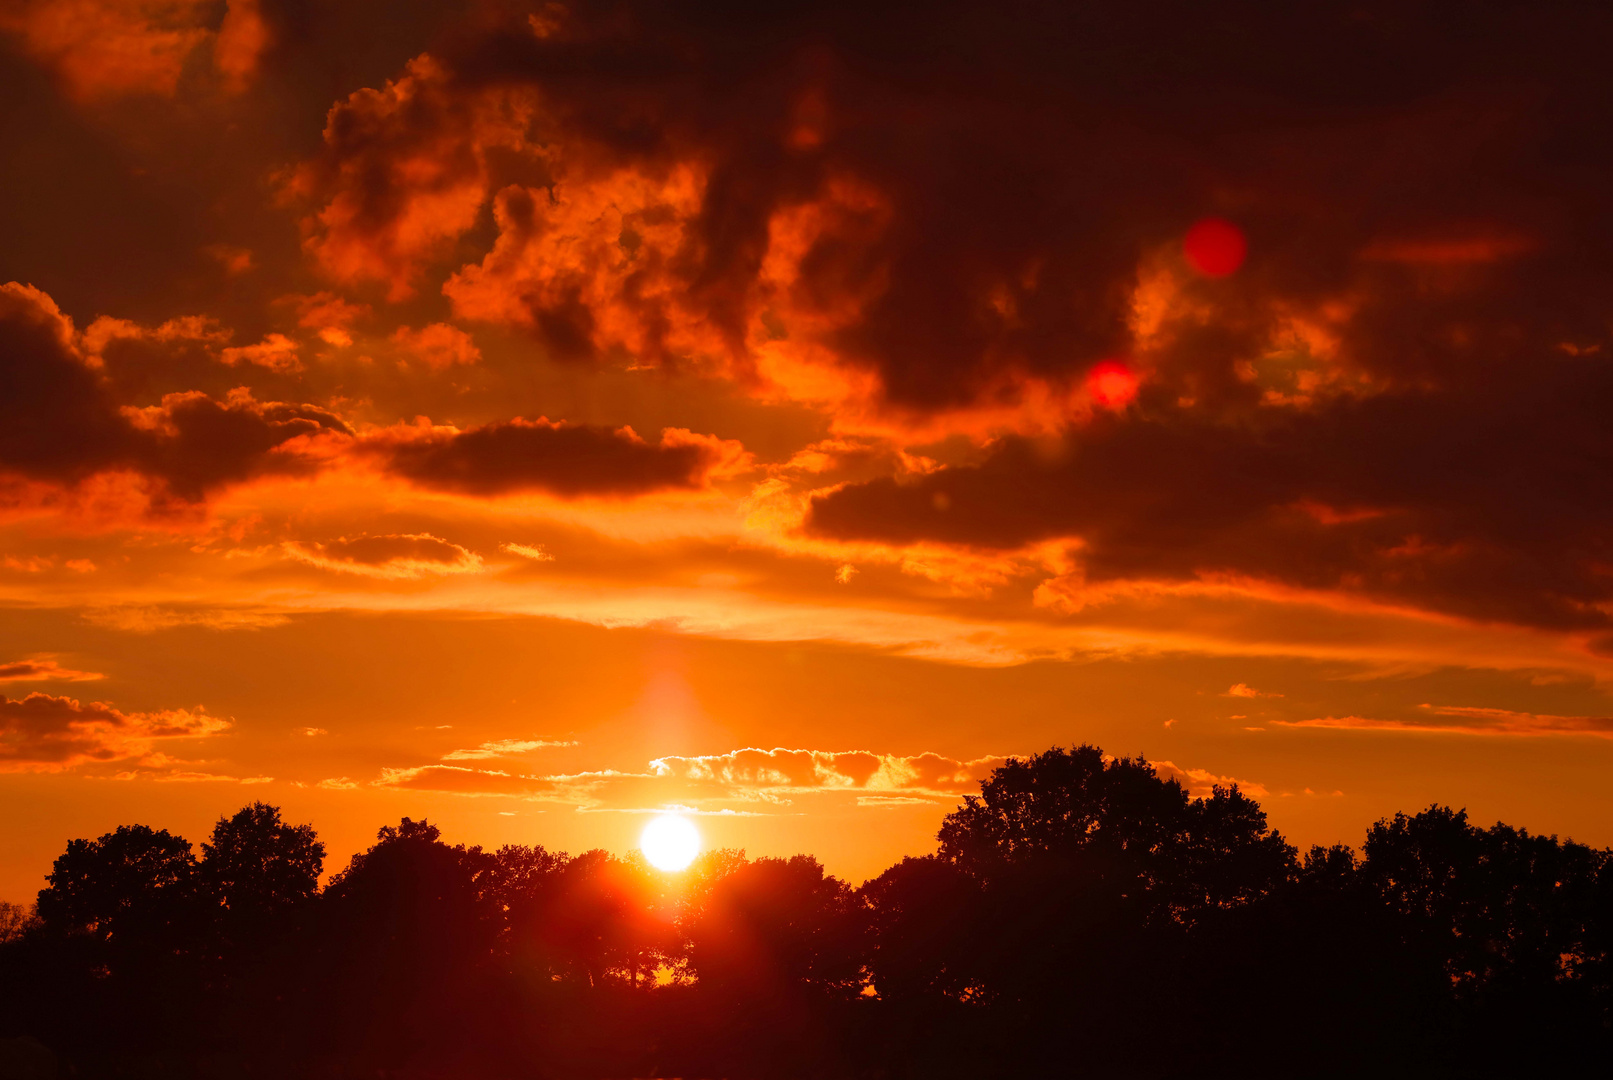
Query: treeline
column 1080, row 917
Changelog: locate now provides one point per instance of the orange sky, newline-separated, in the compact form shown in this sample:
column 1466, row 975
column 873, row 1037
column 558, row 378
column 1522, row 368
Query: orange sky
column 535, row 415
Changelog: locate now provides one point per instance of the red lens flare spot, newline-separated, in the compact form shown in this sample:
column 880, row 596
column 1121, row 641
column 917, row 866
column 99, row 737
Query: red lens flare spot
column 1112, row 384
column 1215, row 247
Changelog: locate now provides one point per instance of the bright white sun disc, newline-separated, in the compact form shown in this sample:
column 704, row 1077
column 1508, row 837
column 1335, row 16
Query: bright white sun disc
column 670, row 842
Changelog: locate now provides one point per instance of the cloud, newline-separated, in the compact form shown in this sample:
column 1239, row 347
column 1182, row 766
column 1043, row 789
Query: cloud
column 745, row 776
column 393, row 557
column 505, row 748
column 760, row 773
column 1376, row 402
column 1201, row 782
column 46, row 733
column 1484, row 527
column 102, row 48
column 109, row 48
column 713, row 783
column 404, row 171
column 588, row 266
column 459, row 780
column 60, row 423
column 569, row 460
column 43, row 669
column 439, row 346
column 276, row 352
column 887, row 801
column 534, row 552
column 1244, row 690
column 1466, row 720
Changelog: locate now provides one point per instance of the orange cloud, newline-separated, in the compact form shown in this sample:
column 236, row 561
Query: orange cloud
column 569, row 460
column 753, row 773
column 1200, row 783
column 408, row 556
column 43, row 669
column 592, row 265
column 45, row 733
column 1467, row 720
column 404, row 172
column 505, row 748
column 439, row 346
column 101, row 48
column 242, row 40
column 276, row 352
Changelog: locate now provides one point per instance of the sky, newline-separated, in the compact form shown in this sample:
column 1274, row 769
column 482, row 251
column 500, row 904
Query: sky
column 534, row 416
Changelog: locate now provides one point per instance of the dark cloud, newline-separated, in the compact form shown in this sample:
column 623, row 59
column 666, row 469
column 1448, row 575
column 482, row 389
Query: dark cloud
column 56, row 420
column 1492, row 504
column 1011, row 169
column 61, row 422
column 569, row 460
column 43, row 732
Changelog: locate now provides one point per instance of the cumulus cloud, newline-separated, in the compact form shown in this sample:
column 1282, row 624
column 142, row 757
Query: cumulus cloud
column 746, row 776
column 1376, row 402
column 762, row 773
column 60, row 423
column 749, row 777
column 47, row 733
column 404, row 172
column 439, row 346
column 276, row 352
column 569, row 460
column 394, row 557
column 577, row 788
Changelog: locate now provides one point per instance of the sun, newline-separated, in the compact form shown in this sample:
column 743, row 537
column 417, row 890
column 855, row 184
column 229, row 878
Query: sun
column 670, row 842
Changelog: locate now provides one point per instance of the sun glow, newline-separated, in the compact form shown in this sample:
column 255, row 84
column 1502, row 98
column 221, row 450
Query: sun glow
column 670, row 842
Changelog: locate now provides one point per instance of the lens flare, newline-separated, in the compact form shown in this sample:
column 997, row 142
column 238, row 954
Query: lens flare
column 670, row 842
column 1112, row 384
column 1215, row 247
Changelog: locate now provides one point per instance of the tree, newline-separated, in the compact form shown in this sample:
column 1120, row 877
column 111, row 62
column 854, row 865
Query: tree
column 1124, row 832
column 135, row 884
column 1493, row 904
column 408, row 934
column 922, row 912
column 15, row 921
column 779, row 927
column 256, row 866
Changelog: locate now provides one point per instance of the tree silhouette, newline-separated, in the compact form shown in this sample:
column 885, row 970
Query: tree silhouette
column 256, row 866
column 922, row 914
column 1082, row 915
column 15, row 921
column 778, row 927
column 134, row 884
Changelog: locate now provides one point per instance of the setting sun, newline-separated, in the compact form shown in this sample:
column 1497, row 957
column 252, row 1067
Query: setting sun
column 670, row 842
